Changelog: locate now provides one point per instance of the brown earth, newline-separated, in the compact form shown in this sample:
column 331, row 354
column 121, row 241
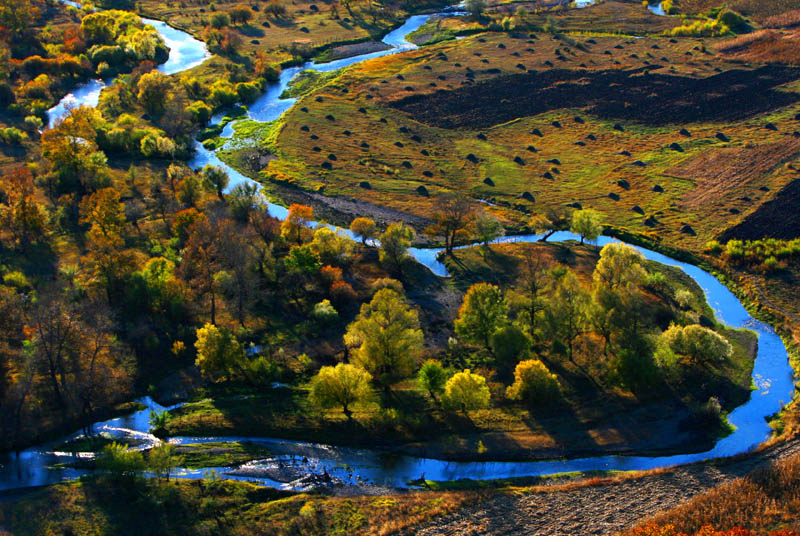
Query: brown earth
column 652, row 99
column 764, row 46
column 604, row 506
column 718, row 171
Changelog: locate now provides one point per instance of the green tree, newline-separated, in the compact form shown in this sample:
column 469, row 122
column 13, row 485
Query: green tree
column 121, row 463
column 466, row 391
column 509, row 344
column 395, row 242
column 342, row 385
column 219, row 20
column 385, row 337
column 432, row 377
column 216, row 178
column 332, row 247
column 701, row 345
column 219, row 354
column 568, row 310
column 162, row 459
column 364, row 228
column 476, row 8
column 534, row 384
column 483, row 311
column 587, row 223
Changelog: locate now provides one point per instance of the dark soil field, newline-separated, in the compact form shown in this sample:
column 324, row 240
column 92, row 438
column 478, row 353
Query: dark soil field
column 635, row 95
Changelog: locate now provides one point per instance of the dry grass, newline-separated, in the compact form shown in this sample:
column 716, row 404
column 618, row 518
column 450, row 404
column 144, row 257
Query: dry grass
column 764, row 46
column 790, row 19
column 718, row 171
column 767, row 499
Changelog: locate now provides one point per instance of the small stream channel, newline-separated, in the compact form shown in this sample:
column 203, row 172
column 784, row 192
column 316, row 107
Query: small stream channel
column 772, row 374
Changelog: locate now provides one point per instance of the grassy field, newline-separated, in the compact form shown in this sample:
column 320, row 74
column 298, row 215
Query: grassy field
column 382, row 129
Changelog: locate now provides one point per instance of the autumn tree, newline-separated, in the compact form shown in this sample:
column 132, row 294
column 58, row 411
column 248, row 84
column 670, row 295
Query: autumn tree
column 201, row 262
column 364, row 228
column 152, row 90
column 77, row 165
column 240, row 14
column 534, row 384
column 21, row 213
column 237, row 255
column 453, row 213
column 395, row 242
column 340, row 386
column 385, row 337
column 620, row 266
column 553, row 219
column 296, row 227
column 483, row 311
column 219, row 355
column 466, row 391
column 587, row 223
column 528, row 297
column 487, row 228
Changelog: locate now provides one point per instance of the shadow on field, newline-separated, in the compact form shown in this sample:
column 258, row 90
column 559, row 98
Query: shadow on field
column 636, row 95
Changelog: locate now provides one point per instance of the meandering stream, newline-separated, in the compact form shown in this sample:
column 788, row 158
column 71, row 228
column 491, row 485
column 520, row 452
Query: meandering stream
column 772, row 375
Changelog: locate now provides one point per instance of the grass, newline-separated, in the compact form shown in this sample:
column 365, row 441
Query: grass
column 199, row 455
column 99, row 507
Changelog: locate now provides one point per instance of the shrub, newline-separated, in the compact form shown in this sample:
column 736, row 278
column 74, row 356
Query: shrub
column 12, row 136
column 324, row 313
column 121, row 463
column 219, row 20
column 432, row 377
column 534, row 384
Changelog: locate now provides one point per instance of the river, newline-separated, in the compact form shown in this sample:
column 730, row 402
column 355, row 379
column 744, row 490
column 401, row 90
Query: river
column 772, row 374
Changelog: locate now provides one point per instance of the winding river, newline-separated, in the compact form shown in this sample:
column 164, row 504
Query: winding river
column 772, row 376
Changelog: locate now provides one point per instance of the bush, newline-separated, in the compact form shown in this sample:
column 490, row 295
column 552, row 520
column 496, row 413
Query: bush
column 534, row 384
column 432, row 377
column 324, row 313
column 12, row 136
column 219, row 20
column 121, row 463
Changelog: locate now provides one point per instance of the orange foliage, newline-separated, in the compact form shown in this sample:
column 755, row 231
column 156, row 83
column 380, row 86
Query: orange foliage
column 669, row 530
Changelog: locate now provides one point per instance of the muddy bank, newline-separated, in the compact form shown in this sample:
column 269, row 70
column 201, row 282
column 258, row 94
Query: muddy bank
column 636, row 95
column 357, row 49
column 340, row 211
column 604, row 508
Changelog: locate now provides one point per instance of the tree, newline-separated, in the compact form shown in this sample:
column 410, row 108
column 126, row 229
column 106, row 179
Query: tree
column 466, row 391
column 240, row 14
column 453, row 213
column 476, row 8
column 534, row 384
column 619, row 267
column 202, row 260
column 532, row 282
column 432, row 377
column 242, row 200
column 488, row 228
column 22, row 215
column 342, row 385
column 587, row 223
column 509, row 344
column 153, row 88
column 162, row 459
column 332, row 247
column 123, row 464
column 219, row 355
column 701, row 345
column 216, row 178
column 549, row 223
column 568, row 310
column 395, row 242
column 364, row 228
column 219, row 20
column 385, row 337
column 295, row 228
column 483, row 311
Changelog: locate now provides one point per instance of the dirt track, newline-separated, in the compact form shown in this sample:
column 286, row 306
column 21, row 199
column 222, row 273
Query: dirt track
column 602, row 509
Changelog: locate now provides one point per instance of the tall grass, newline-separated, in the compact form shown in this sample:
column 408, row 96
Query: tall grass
column 766, row 498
